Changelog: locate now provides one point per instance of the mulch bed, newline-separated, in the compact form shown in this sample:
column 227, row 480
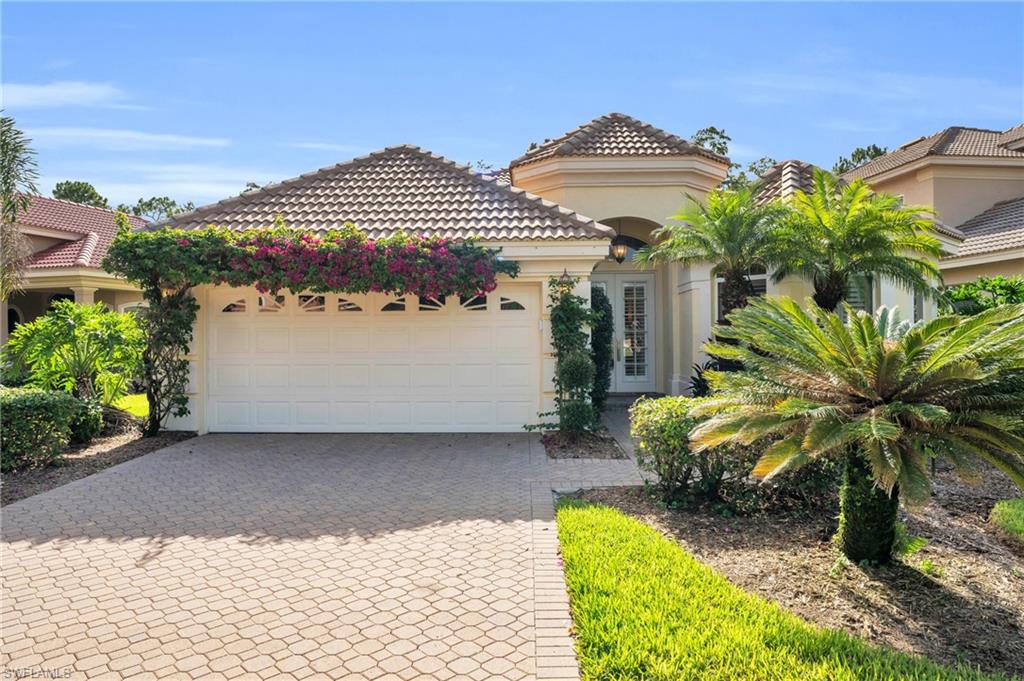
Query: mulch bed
column 79, row 462
column 971, row 610
column 598, row 445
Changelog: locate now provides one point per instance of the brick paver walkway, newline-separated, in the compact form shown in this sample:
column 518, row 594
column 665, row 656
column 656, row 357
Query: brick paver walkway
column 295, row 556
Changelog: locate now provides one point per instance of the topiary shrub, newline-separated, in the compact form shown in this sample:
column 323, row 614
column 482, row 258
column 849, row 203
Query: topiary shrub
column 601, row 351
column 35, row 426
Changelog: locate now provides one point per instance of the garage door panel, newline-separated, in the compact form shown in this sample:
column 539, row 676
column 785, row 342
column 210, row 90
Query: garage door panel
column 311, row 376
column 270, row 375
column 422, row 368
column 432, row 413
column 392, row 413
column 307, row 340
column 231, row 414
column 230, row 341
column 388, row 339
column 432, row 339
column 230, row 376
column 313, row 413
column 271, row 414
column 352, row 375
column 272, row 340
column 472, row 339
column 350, row 339
column 352, row 414
column 386, row 376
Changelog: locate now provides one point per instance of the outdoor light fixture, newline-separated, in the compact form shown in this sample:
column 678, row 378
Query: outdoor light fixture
column 566, row 278
column 619, row 248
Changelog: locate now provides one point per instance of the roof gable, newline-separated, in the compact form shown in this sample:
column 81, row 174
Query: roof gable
column 616, row 134
column 90, row 231
column 398, row 188
column 784, row 179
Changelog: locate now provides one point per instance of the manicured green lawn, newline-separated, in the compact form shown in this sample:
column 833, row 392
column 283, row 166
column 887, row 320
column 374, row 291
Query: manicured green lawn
column 134, row 404
column 1009, row 515
column 643, row 608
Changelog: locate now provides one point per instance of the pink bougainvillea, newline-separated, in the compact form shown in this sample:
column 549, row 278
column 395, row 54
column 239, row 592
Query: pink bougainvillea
column 279, row 258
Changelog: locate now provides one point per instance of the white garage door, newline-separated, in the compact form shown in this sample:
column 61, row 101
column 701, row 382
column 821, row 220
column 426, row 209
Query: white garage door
column 373, row 363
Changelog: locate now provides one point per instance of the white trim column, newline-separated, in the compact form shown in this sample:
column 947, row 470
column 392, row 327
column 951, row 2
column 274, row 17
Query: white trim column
column 696, row 316
column 84, row 295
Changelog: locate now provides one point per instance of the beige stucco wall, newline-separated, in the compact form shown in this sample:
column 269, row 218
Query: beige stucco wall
column 1005, row 268
column 636, row 196
column 957, row 192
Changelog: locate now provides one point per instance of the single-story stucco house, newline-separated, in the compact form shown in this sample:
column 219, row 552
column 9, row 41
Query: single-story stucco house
column 339, row 362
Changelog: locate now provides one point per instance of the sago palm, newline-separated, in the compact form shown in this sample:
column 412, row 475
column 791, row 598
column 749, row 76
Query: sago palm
column 839, row 233
column 884, row 395
column 729, row 230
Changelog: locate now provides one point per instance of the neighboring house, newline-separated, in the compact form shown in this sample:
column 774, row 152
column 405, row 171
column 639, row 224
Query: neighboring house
column 68, row 242
column 974, row 179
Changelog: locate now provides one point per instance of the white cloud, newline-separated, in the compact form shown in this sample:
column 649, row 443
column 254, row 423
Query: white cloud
column 65, row 93
column 330, row 146
column 197, row 182
column 109, row 139
column 917, row 93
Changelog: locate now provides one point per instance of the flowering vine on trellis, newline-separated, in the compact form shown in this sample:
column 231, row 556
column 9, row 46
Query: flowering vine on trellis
column 166, row 263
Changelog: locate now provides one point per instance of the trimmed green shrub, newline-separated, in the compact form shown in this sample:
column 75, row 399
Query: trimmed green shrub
column 35, row 426
column 984, row 293
column 602, row 331
column 661, row 427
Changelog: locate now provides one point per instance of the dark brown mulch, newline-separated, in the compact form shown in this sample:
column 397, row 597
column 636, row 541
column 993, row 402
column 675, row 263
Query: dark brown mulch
column 971, row 609
column 599, row 445
column 79, row 462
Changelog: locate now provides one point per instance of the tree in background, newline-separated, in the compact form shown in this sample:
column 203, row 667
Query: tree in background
column 883, row 396
column 716, row 140
column 713, row 139
column 984, row 293
column 17, row 186
column 840, row 233
column 858, row 157
column 80, row 192
column 156, row 208
column 730, row 231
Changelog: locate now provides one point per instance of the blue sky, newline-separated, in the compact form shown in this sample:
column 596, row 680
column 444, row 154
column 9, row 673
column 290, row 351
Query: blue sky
column 194, row 100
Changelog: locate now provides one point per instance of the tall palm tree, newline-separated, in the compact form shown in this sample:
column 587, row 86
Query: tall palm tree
column 729, row 230
column 884, row 395
column 840, row 233
column 17, row 185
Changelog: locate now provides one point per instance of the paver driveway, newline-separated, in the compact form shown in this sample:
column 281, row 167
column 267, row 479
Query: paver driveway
column 294, row 556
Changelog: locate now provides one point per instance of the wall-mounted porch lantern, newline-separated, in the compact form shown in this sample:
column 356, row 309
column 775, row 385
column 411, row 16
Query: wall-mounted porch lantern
column 619, row 248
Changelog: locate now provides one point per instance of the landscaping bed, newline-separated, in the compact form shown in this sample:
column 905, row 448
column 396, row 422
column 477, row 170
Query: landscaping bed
column 958, row 600
column 82, row 461
column 585, row 445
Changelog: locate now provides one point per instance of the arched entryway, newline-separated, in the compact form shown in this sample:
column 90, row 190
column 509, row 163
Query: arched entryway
column 635, row 292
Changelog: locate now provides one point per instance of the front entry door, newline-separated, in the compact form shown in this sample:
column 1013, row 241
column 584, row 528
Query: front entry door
column 632, row 297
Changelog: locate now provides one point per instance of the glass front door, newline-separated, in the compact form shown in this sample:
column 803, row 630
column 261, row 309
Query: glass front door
column 632, row 298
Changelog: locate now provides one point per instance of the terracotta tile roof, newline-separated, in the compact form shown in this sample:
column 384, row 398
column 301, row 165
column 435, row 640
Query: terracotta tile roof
column 955, row 141
column 90, row 231
column 1012, row 138
column 784, row 178
column 616, row 134
column 1000, row 228
column 399, row 188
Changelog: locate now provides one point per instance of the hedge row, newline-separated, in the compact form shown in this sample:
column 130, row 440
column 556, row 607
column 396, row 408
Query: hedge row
column 36, row 426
